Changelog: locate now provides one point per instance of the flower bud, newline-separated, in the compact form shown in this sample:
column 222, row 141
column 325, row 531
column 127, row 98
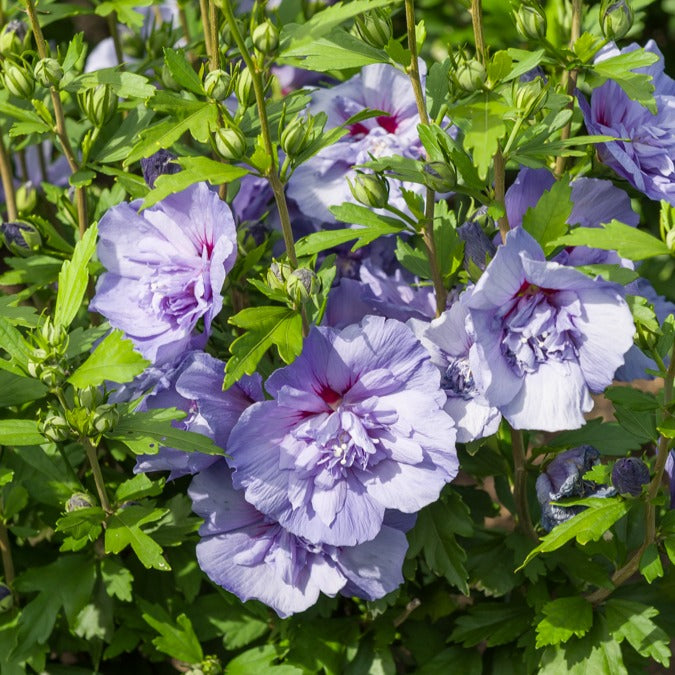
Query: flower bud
column 295, row 136
column 244, row 88
column 26, row 198
column 301, row 284
column 21, row 237
column 51, row 375
column 157, row 165
column 98, row 104
column 6, row 598
column 19, row 81
column 55, row 427
column 616, row 18
column 530, row 19
column 48, row 72
column 470, row 75
column 54, row 337
column 14, row 38
column 277, row 275
column 370, row 189
column 528, row 96
column 629, row 474
column 79, row 500
column 265, row 37
column 375, row 27
column 440, row 176
column 105, row 418
column 217, row 84
column 230, row 143
column 89, row 398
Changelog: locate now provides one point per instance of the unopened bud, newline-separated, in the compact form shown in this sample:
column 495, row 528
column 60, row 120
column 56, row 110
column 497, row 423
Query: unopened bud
column 105, row 418
column 244, row 88
column 265, row 37
column 48, row 72
column 629, row 475
column 6, row 598
column 19, row 81
column 528, row 96
column 157, row 165
column 616, row 18
column 470, row 75
column 51, row 375
column 440, row 176
column 295, row 136
column 53, row 336
column 14, row 38
column 89, row 397
column 230, row 143
column 26, row 198
column 79, row 500
column 21, row 237
column 375, row 27
column 98, row 104
column 277, row 275
column 55, row 427
column 301, row 284
column 217, row 84
column 370, row 189
column 530, row 19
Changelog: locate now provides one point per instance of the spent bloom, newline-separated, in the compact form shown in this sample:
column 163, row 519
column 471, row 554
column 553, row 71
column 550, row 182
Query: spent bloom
column 253, row 556
column 322, row 181
column 546, row 336
column 356, row 427
column 165, row 269
column 644, row 153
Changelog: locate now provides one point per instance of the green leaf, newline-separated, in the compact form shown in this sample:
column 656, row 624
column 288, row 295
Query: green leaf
column 117, row 579
column 13, row 343
column 633, row 398
column 320, row 241
column 114, row 359
column 80, row 527
column 608, row 437
column 563, row 618
column 119, row 144
column 650, row 564
column 20, row 432
column 260, row 661
column 589, row 525
column 266, row 326
column 73, row 279
column 182, row 71
column 15, row 389
column 178, row 639
column 618, row 275
column 547, row 221
column 496, row 623
column 137, row 487
column 628, row 242
column 667, row 427
column 124, row 529
column 632, row 621
column 434, row 536
column 145, row 432
column 196, row 169
column 124, row 84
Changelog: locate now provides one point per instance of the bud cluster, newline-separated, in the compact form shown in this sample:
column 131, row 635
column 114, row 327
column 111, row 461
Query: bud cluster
column 46, row 359
column 298, row 285
column 298, row 134
column 98, row 104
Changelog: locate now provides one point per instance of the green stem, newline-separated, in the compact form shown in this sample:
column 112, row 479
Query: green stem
column 477, row 23
column 570, row 80
column 520, row 485
column 214, row 56
column 92, row 456
column 500, row 192
column 7, row 181
column 115, row 34
column 427, row 230
column 400, row 214
column 6, row 552
column 61, row 132
column 633, row 565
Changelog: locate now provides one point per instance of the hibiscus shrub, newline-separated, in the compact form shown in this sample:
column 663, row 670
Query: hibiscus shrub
column 337, row 337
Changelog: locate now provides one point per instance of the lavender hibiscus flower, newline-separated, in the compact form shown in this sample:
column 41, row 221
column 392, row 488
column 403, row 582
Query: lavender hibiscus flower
column 546, row 336
column 322, row 181
column 645, row 157
column 166, row 267
column 253, row 556
column 449, row 343
column 197, row 388
column 356, row 427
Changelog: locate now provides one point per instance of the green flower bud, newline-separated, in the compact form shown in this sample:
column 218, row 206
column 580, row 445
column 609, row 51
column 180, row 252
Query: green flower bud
column 616, row 18
column 375, row 27
column 295, row 136
column 301, row 284
column 277, row 275
column 370, row 189
column 244, row 88
column 98, row 104
column 79, row 500
column 48, row 72
column 265, row 37
column 6, row 598
column 530, row 19
column 105, row 418
column 89, row 398
column 211, row 666
column 54, row 337
column 528, row 96
column 15, row 38
column 52, row 376
column 55, row 427
column 217, row 84
column 470, row 75
column 440, row 176
column 21, row 237
column 26, row 198
column 230, row 143
column 19, row 81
